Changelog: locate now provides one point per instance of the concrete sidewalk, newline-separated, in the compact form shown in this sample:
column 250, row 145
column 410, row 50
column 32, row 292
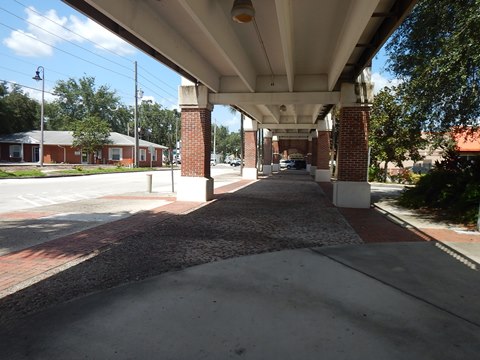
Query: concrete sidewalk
column 298, row 279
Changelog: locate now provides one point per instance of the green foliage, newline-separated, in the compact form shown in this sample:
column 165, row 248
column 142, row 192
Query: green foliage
column 157, row 124
column 18, row 112
column 21, row 173
column 453, row 186
column 393, row 136
column 436, row 53
column 77, row 100
column 226, row 142
column 91, row 134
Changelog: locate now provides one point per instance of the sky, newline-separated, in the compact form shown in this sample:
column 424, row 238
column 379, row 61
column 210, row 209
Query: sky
column 66, row 44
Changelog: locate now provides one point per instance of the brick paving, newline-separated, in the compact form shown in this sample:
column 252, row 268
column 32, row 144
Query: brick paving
column 22, row 268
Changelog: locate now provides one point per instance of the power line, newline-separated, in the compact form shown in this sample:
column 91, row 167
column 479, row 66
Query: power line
column 153, row 76
column 73, row 32
column 34, row 65
column 169, row 94
column 160, row 96
column 66, row 52
column 21, row 73
column 62, row 38
column 25, row 86
column 88, row 61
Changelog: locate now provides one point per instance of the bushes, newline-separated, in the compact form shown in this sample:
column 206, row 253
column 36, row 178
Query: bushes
column 453, row 186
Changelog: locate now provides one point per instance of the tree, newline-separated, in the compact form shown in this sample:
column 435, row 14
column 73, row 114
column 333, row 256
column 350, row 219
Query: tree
column 91, row 134
column 77, row 100
column 18, row 112
column 436, row 53
column 393, row 136
column 158, row 124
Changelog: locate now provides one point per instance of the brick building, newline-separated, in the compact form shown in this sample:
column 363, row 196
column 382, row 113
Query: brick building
column 58, row 148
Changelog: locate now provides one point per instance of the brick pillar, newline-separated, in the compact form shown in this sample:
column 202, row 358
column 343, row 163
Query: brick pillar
column 313, row 166
column 195, row 183
column 322, row 174
column 309, row 154
column 250, row 151
column 276, row 154
column 353, row 144
column 267, row 152
column 196, row 142
column 351, row 188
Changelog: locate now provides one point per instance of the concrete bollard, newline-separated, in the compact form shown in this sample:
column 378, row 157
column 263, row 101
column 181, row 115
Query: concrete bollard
column 149, row 183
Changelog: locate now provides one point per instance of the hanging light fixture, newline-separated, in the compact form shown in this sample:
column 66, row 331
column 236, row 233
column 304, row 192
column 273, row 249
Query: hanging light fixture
column 283, row 108
column 242, row 11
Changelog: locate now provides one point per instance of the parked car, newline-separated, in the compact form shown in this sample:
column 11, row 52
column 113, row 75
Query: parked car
column 287, row 164
column 235, row 162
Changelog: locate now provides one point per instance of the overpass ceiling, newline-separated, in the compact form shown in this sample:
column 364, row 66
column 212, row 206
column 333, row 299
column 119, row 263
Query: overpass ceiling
column 311, row 47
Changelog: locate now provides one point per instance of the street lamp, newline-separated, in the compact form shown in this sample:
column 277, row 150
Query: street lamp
column 37, row 77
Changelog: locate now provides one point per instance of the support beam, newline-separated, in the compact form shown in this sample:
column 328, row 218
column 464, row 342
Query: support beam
column 298, row 98
column 284, row 16
column 211, row 19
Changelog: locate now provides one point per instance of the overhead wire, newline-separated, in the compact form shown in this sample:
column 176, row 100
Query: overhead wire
column 73, row 32
column 88, row 61
column 62, row 38
column 25, row 86
column 68, row 53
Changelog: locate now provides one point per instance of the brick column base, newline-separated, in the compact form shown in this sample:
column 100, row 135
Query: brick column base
column 250, row 168
column 352, row 189
column 195, row 183
column 267, row 155
column 276, row 156
column 323, row 173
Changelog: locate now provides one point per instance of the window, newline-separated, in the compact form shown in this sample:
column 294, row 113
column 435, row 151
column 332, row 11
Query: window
column 143, row 155
column 115, row 154
column 154, row 155
column 15, row 151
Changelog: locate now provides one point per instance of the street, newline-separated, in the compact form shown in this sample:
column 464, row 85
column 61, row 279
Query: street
column 19, row 194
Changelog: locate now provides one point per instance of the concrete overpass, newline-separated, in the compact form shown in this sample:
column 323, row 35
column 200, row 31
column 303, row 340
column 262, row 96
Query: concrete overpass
column 284, row 64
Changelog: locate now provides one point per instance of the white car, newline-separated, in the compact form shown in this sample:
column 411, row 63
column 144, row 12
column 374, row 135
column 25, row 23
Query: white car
column 287, row 164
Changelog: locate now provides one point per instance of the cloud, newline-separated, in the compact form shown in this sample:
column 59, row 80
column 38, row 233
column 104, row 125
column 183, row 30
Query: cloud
column 103, row 38
column 380, row 81
column 47, row 30
column 27, row 44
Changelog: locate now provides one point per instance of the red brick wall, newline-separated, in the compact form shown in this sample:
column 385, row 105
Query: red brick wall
column 352, row 157
column 250, row 149
column 267, row 151
column 314, row 152
column 276, row 155
column 323, row 150
column 288, row 147
column 309, row 152
column 196, row 137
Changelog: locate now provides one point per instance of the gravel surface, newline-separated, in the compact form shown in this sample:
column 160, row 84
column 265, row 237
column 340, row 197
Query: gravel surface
column 282, row 212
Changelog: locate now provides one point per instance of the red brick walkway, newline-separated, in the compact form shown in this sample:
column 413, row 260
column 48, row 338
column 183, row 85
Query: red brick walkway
column 374, row 227
column 21, row 268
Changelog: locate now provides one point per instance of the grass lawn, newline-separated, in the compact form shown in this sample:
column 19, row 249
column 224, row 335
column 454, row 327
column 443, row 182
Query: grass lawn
column 73, row 170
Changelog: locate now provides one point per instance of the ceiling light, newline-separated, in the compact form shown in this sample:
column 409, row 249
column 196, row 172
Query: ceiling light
column 242, row 11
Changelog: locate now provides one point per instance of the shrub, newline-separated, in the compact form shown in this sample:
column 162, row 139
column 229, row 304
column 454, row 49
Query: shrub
column 453, row 186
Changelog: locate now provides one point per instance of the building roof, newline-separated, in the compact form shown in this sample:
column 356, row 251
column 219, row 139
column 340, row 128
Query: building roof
column 467, row 141
column 65, row 138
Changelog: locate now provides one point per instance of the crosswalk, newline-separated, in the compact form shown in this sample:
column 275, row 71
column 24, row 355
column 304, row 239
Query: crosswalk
column 43, row 199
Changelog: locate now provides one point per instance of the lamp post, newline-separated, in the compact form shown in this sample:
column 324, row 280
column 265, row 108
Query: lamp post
column 37, row 77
